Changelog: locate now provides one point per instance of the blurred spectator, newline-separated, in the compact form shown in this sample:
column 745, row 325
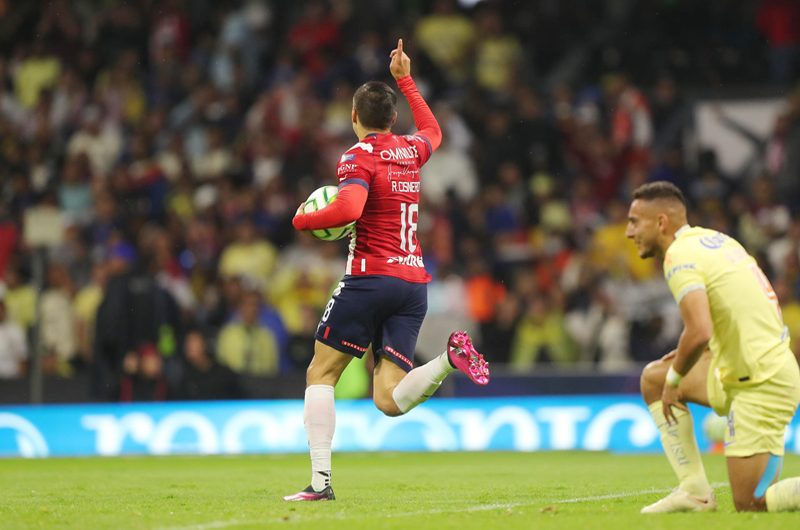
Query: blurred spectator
column 204, row 378
column 38, row 71
column 631, row 124
column 483, row 292
column 497, row 338
column 75, row 194
column 217, row 161
column 9, row 236
column 541, row 337
column 170, row 35
column 248, row 255
column 779, row 21
column 85, row 306
column 447, row 37
column 143, row 376
column 790, row 312
column 101, row 144
column 612, row 252
column 168, row 271
column 449, row 169
column 314, row 36
column 670, row 114
column 245, row 345
column 57, row 324
column 497, row 54
column 13, row 347
column 20, row 298
column 765, row 219
column 596, row 326
column 780, row 250
column 136, row 315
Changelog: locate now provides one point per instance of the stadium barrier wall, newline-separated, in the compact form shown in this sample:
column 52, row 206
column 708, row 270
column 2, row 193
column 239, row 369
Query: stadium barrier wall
column 595, row 423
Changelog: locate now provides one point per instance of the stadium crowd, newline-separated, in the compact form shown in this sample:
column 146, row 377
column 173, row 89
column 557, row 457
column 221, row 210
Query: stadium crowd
column 177, row 138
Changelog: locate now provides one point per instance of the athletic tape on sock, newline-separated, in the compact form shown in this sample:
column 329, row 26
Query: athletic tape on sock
column 771, row 471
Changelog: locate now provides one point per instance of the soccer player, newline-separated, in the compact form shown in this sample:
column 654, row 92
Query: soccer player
column 732, row 356
column 382, row 298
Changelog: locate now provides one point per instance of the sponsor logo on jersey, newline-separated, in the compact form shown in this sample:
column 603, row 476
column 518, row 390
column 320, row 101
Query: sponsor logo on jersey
column 410, row 260
column 714, row 242
column 400, row 153
column 686, row 266
column 347, row 158
column 346, row 168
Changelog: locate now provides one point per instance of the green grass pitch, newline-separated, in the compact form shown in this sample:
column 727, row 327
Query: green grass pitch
column 406, row 491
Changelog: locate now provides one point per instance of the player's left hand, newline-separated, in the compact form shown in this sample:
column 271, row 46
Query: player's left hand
column 671, row 397
column 401, row 64
column 301, row 212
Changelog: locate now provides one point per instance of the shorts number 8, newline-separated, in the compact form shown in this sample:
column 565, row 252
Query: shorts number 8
column 331, row 302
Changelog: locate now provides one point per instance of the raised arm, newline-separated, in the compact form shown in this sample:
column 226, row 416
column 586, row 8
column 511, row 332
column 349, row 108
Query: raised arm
column 424, row 119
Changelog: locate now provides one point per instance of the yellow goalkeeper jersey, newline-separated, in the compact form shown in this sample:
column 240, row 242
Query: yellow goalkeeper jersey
column 750, row 341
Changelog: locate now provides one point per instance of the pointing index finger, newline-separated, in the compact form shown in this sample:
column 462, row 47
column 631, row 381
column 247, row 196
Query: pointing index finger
column 400, row 46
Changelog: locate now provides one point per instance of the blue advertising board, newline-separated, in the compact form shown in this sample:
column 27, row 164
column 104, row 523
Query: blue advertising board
column 594, row 423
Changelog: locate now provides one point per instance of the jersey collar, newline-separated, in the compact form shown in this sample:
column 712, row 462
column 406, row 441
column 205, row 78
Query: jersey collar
column 682, row 230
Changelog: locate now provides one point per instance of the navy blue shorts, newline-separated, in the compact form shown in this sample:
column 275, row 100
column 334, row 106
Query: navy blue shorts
column 384, row 311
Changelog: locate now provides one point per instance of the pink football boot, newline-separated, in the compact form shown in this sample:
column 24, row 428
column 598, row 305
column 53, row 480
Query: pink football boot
column 309, row 494
column 464, row 357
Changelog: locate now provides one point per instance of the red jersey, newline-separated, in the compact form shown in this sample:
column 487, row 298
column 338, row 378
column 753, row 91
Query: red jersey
column 379, row 189
column 384, row 240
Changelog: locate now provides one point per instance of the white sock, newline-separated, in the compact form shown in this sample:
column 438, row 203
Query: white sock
column 681, row 449
column 420, row 383
column 319, row 417
column 784, row 496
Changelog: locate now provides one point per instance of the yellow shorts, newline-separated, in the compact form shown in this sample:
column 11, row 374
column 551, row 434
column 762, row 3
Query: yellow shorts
column 757, row 415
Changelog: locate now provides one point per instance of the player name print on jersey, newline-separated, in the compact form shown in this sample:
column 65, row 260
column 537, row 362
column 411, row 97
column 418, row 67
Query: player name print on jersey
column 403, row 178
column 405, row 187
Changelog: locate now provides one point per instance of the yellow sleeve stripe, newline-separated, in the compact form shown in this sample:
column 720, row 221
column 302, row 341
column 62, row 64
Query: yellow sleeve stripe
column 687, row 290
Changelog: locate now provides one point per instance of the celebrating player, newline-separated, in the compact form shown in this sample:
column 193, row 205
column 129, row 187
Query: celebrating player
column 732, row 356
column 382, row 298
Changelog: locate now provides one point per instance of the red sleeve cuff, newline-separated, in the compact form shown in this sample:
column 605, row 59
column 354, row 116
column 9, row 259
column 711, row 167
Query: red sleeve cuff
column 404, row 82
column 300, row 222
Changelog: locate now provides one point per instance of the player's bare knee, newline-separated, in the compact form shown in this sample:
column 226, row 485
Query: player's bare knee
column 652, row 381
column 321, row 375
column 386, row 404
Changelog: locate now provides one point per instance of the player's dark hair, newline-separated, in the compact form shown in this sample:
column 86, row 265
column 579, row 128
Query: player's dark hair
column 376, row 104
column 659, row 190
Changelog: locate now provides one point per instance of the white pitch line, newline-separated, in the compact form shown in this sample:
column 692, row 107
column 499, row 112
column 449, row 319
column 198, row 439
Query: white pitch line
column 565, row 501
column 479, row 508
column 207, row 526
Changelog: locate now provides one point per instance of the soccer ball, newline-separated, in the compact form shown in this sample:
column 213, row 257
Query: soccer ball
column 715, row 427
column 320, row 199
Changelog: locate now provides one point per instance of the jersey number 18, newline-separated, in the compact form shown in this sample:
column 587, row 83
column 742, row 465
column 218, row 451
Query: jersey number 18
column 408, row 229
